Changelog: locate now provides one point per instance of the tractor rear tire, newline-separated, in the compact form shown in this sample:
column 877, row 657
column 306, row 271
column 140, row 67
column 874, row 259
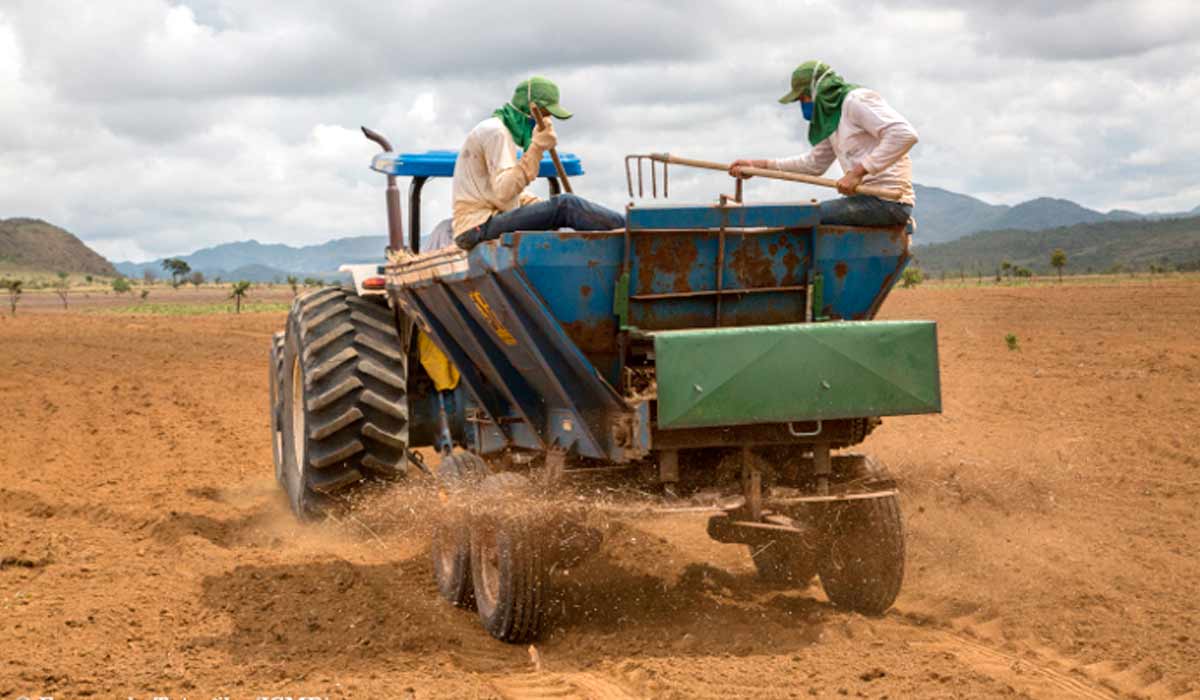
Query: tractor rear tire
column 275, row 377
column 451, row 546
column 345, row 408
column 863, row 565
column 509, row 566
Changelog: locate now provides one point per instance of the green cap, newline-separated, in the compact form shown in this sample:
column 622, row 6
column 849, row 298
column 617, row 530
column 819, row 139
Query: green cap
column 801, row 80
column 543, row 93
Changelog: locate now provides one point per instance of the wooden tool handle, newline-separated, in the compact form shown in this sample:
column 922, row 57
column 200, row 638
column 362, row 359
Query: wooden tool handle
column 880, row 192
column 558, row 166
column 690, row 162
column 562, row 173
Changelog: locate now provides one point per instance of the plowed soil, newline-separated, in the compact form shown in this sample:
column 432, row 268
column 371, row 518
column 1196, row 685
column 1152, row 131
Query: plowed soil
column 1051, row 510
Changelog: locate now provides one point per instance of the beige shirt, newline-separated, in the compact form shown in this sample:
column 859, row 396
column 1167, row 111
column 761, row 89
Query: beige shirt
column 870, row 132
column 488, row 178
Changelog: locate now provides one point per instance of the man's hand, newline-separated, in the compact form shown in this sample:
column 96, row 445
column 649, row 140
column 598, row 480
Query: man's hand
column 849, row 183
column 735, row 168
column 544, row 136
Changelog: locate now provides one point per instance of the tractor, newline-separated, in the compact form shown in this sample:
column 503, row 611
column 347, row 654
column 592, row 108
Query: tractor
column 713, row 357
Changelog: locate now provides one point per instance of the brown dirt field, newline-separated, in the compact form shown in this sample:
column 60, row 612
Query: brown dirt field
column 1051, row 510
column 45, row 300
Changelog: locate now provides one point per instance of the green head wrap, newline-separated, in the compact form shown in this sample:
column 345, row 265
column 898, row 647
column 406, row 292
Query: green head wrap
column 516, row 114
column 827, row 90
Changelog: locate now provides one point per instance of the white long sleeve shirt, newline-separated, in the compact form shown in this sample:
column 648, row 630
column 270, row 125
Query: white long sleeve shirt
column 870, row 132
column 488, row 177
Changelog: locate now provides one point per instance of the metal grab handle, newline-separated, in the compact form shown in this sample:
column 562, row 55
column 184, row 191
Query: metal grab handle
column 792, row 429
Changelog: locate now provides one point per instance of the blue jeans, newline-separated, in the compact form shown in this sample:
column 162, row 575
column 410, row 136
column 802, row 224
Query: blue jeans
column 563, row 211
column 864, row 210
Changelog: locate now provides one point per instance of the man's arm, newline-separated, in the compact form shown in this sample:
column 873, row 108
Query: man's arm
column 815, row 162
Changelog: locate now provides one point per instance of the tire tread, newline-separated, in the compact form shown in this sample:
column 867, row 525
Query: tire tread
column 356, row 408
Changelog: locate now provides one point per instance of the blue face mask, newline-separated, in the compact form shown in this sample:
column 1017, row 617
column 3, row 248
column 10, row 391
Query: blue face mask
column 807, row 108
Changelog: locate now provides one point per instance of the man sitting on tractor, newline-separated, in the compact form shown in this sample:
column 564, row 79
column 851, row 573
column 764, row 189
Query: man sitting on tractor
column 489, row 180
column 863, row 133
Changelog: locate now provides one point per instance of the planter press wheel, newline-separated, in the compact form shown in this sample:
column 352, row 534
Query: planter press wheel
column 863, row 564
column 451, row 546
column 508, row 565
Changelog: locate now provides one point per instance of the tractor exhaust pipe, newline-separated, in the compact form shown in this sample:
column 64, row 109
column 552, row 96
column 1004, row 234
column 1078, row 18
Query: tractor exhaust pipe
column 395, row 226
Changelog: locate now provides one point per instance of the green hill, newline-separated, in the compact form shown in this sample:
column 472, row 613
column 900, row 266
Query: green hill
column 1095, row 246
column 32, row 245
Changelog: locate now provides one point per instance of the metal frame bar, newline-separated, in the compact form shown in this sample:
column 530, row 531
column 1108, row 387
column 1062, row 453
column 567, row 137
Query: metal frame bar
column 750, row 231
column 414, row 212
column 720, row 268
column 712, row 292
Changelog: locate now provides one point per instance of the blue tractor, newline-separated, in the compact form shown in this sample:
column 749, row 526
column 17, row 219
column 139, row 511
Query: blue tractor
column 707, row 357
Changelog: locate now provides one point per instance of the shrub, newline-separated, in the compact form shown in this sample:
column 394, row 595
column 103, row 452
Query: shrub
column 1058, row 260
column 13, row 287
column 912, row 277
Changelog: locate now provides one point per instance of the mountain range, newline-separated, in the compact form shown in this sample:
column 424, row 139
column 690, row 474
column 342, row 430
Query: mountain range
column 1100, row 246
column 944, row 216
column 269, row 262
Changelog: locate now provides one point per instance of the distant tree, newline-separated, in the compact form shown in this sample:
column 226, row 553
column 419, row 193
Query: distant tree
column 294, row 283
column 148, row 276
column 313, row 282
column 1058, row 260
column 62, row 287
column 87, row 278
column 196, row 278
column 178, row 269
column 145, row 293
column 1006, row 268
column 911, row 277
column 217, row 279
column 239, row 291
column 120, row 285
column 13, row 287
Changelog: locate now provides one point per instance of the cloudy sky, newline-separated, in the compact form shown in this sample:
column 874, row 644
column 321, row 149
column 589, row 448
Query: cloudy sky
column 156, row 127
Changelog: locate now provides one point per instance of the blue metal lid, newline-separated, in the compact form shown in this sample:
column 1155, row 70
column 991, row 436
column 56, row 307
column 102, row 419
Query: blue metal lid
column 441, row 164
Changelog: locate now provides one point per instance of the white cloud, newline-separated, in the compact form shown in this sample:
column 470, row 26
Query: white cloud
column 156, row 127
